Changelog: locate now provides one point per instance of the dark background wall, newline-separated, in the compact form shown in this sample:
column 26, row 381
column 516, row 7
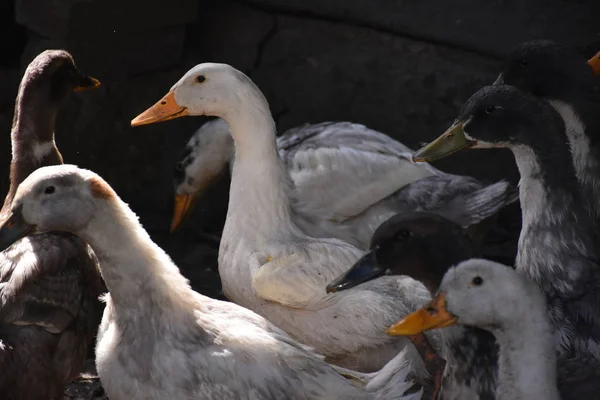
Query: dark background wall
column 403, row 67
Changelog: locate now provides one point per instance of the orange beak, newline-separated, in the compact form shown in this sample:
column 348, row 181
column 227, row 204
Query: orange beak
column 183, row 206
column 164, row 110
column 89, row 83
column 434, row 315
column 594, row 62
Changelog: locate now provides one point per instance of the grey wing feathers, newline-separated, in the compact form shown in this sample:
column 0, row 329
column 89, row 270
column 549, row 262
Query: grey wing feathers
column 332, row 134
column 476, row 206
column 43, row 279
column 461, row 199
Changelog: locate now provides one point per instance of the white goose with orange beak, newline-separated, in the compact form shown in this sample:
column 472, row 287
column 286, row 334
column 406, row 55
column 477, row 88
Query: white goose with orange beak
column 267, row 263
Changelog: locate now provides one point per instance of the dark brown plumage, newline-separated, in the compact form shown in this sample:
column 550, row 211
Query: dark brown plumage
column 50, row 283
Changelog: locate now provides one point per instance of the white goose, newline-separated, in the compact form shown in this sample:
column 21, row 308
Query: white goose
column 499, row 299
column 348, row 179
column 266, row 262
column 161, row 340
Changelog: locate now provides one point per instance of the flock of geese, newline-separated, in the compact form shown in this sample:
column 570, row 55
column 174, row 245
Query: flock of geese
column 344, row 253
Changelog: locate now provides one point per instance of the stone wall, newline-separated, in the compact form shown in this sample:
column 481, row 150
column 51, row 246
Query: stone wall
column 403, row 67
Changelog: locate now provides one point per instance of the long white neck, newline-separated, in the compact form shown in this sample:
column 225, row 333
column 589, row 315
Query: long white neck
column 139, row 275
column 527, row 361
column 260, row 194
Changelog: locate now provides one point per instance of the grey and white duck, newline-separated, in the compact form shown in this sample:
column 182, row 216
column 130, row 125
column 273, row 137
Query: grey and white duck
column 502, row 301
column 561, row 75
column 558, row 242
column 347, row 179
column 159, row 339
column 49, row 284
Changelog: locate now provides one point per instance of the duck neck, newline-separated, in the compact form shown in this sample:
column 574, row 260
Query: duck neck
column 527, row 361
column 139, row 275
column 580, row 127
column 555, row 220
column 32, row 137
column 259, row 180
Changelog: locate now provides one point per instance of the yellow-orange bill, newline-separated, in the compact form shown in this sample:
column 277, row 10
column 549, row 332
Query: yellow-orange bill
column 433, row 315
column 90, row 83
column 183, row 205
column 594, row 62
column 164, row 110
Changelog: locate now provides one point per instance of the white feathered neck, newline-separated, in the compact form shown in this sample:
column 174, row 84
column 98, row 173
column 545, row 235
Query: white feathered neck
column 139, row 275
column 261, row 189
column 527, row 360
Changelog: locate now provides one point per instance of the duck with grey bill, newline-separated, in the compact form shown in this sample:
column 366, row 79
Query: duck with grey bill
column 449, row 142
column 553, row 206
column 364, row 270
column 403, row 245
column 561, row 76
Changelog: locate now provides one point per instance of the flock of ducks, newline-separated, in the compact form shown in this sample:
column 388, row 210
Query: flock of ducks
column 343, row 253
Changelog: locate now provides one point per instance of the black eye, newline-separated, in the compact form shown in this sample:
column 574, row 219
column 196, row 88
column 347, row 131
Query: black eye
column 522, row 63
column 477, row 281
column 490, row 109
column 200, row 78
column 49, row 190
column 404, row 234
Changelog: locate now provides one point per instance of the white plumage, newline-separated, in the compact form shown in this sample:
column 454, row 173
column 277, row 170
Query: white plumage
column 161, row 340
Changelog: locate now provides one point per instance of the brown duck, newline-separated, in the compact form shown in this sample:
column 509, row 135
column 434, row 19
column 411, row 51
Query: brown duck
column 49, row 284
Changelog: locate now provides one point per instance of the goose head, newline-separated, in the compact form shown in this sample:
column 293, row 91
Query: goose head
column 53, row 75
column 545, row 69
column 204, row 159
column 420, row 245
column 54, row 198
column 499, row 116
column 207, row 89
column 478, row 293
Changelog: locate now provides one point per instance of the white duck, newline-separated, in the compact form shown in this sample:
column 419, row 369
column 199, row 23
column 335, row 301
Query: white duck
column 348, row 179
column 499, row 299
column 266, row 262
column 161, row 340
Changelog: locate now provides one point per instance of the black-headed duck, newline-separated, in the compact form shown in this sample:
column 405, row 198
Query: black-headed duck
column 558, row 246
column 560, row 75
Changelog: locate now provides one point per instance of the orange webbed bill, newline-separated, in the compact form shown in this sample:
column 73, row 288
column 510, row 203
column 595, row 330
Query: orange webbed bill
column 164, row 110
column 432, row 316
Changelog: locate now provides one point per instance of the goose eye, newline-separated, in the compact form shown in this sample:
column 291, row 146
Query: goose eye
column 49, row 190
column 404, row 234
column 522, row 63
column 200, row 78
column 477, row 281
column 490, row 109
